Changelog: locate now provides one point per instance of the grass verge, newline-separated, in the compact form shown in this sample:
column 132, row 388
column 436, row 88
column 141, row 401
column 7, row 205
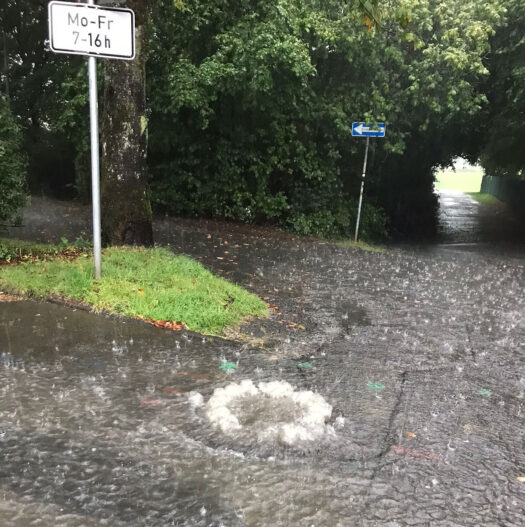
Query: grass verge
column 19, row 250
column 484, row 198
column 364, row 246
column 150, row 284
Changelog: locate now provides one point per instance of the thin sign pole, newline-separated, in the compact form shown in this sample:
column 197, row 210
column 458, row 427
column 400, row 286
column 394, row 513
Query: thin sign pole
column 362, row 189
column 95, row 163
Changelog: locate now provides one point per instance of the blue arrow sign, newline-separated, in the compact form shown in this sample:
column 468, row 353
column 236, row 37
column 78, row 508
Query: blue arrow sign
column 368, row 130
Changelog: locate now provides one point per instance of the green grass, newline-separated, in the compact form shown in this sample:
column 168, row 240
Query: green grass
column 12, row 249
column 21, row 250
column 141, row 283
column 464, row 179
column 484, row 198
column 361, row 245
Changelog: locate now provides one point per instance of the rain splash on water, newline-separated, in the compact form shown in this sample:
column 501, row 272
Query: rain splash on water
column 385, row 390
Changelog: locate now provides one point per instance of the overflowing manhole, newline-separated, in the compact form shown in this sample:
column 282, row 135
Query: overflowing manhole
column 265, row 419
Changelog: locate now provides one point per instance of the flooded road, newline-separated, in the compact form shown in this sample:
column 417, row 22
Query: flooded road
column 401, row 391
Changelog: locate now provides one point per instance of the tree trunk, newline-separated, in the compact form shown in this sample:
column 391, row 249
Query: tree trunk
column 126, row 210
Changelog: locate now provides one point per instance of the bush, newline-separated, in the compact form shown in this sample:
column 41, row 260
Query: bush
column 340, row 222
column 12, row 167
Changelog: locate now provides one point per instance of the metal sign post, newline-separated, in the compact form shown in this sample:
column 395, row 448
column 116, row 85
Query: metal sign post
column 86, row 29
column 95, row 164
column 362, row 190
column 368, row 131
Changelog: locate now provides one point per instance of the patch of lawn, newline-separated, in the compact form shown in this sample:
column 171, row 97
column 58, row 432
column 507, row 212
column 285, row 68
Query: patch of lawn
column 481, row 197
column 364, row 246
column 463, row 179
column 21, row 250
column 140, row 283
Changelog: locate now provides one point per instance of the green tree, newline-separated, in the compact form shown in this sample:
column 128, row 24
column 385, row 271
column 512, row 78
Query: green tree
column 252, row 105
column 12, row 167
column 502, row 153
column 35, row 77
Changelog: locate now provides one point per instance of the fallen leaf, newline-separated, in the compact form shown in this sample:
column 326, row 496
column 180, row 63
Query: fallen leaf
column 521, row 479
column 166, row 324
column 411, row 434
column 273, row 357
column 141, row 291
column 149, row 401
column 404, row 451
column 225, row 242
column 208, row 236
column 4, row 297
column 171, row 390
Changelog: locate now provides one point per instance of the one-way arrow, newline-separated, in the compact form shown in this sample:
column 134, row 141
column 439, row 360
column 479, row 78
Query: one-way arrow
column 368, row 130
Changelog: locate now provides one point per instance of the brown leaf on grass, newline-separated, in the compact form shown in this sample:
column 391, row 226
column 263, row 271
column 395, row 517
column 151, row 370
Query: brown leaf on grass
column 167, row 324
column 4, row 297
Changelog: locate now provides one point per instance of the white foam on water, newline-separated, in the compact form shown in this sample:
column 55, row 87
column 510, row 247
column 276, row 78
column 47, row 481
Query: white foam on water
column 271, row 412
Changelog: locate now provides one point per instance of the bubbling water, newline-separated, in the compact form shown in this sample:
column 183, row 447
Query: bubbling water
column 272, row 413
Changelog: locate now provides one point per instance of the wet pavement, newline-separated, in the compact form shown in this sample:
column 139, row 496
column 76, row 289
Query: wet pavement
column 463, row 220
column 419, row 352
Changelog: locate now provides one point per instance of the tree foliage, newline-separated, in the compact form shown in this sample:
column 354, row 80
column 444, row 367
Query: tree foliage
column 12, row 166
column 250, row 104
column 36, row 80
column 502, row 152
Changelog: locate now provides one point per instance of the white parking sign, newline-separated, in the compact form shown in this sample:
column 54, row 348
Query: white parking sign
column 84, row 29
